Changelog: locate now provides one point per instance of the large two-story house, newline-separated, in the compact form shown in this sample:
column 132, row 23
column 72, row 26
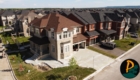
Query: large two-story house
column 55, row 35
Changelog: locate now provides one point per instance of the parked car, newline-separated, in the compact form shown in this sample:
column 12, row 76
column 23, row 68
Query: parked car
column 134, row 35
column 109, row 44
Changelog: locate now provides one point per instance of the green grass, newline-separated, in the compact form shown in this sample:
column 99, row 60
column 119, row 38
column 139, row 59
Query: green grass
column 54, row 74
column 102, row 52
column 124, row 44
column 1, row 28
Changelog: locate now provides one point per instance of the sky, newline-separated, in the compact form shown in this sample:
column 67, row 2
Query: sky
column 66, row 3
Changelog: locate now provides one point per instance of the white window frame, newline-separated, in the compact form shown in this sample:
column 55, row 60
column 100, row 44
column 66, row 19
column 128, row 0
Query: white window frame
column 37, row 31
column 77, row 30
column 66, row 48
column 65, row 34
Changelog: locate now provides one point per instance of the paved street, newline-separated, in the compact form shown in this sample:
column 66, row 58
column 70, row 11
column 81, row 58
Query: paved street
column 5, row 71
column 112, row 72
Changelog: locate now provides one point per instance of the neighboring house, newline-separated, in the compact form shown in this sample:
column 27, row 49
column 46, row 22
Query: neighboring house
column 104, row 26
column 55, row 35
column 89, row 26
column 120, row 24
column 133, row 21
column 23, row 20
column 7, row 17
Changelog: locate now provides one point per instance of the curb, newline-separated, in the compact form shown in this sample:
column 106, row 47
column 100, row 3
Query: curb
column 92, row 75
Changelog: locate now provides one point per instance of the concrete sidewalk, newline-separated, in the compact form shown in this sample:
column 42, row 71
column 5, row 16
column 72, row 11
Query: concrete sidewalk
column 5, row 70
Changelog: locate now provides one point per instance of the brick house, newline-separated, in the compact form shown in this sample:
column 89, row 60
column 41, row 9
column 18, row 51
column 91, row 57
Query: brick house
column 55, row 35
column 89, row 25
column 104, row 27
column 120, row 24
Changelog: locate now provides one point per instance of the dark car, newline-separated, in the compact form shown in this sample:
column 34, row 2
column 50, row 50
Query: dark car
column 111, row 45
column 134, row 35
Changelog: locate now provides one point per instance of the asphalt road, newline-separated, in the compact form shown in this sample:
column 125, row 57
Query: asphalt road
column 112, row 72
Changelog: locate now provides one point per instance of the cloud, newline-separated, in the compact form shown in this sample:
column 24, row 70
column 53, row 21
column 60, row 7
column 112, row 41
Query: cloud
column 1, row 1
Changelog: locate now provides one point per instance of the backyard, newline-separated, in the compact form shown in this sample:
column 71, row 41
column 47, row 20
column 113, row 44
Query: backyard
column 7, row 39
column 54, row 74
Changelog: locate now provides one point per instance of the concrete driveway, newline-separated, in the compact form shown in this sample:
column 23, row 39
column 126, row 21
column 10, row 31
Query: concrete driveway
column 91, row 59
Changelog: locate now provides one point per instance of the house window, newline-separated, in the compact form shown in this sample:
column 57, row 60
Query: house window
column 90, row 27
column 65, row 34
column 77, row 30
column 52, row 35
column 36, row 30
column 53, row 48
column 60, row 36
column 66, row 48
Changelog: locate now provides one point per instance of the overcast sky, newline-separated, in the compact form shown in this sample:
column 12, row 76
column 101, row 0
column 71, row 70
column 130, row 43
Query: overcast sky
column 65, row 3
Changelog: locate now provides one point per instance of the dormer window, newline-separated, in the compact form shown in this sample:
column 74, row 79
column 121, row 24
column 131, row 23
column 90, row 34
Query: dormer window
column 65, row 34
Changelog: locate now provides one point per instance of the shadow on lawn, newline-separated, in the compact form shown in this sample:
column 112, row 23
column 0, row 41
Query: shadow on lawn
column 54, row 77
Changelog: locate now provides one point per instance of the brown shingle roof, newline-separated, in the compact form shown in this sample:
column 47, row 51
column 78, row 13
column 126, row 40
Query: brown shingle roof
column 56, row 21
column 80, row 37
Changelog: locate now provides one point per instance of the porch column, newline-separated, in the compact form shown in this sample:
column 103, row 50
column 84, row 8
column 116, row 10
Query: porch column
column 84, row 45
column 78, row 47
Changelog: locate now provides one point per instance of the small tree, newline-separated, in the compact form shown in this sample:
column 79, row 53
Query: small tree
column 73, row 62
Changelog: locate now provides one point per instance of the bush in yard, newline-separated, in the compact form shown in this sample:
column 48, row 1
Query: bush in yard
column 73, row 62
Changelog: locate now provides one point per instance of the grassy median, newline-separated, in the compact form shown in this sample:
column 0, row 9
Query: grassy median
column 102, row 52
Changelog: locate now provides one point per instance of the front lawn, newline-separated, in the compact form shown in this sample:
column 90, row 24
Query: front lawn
column 125, row 44
column 54, row 74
